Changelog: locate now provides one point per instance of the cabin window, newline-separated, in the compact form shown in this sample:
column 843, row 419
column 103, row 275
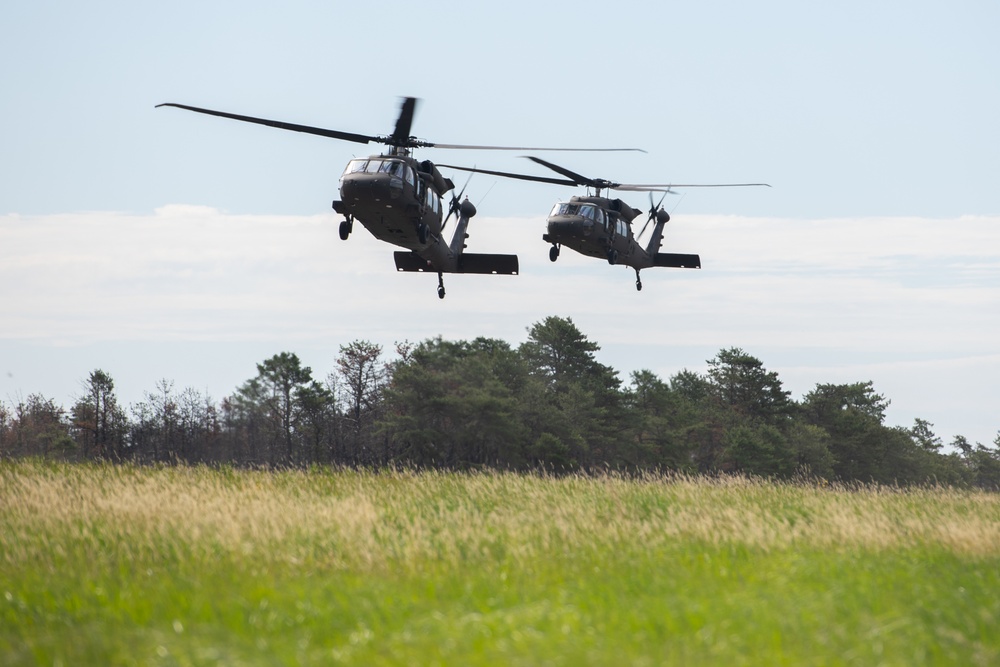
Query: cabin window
column 622, row 228
column 432, row 200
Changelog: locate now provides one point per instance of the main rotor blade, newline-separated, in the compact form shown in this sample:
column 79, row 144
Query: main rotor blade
column 431, row 144
column 643, row 188
column 703, row 185
column 507, row 174
column 577, row 178
column 401, row 135
column 668, row 187
column 333, row 134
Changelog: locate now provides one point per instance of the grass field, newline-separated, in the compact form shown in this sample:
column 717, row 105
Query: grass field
column 195, row 566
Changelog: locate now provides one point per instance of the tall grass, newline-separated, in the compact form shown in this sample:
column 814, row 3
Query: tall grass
column 189, row 566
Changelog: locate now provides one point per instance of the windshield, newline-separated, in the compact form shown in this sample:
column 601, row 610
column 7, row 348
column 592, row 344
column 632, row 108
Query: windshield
column 373, row 166
column 583, row 210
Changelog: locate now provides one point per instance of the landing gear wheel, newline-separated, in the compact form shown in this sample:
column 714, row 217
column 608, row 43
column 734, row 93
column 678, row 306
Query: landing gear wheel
column 612, row 257
column 422, row 233
column 638, row 285
column 440, row 292
column 553, row 253
column 440, row 285
column 345, row 229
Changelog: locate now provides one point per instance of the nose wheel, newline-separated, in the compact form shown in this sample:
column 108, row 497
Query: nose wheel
column 346, row 227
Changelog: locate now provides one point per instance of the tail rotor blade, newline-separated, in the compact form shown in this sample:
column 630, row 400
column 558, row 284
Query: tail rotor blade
column 456, row 203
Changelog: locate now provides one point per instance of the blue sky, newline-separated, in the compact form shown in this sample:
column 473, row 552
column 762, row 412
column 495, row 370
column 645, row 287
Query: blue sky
column 163, row 244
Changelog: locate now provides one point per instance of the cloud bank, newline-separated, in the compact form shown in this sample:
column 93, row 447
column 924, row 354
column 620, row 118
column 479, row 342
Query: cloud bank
column 910, row 303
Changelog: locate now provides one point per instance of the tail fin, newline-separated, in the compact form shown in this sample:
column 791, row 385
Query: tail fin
column 662, row 218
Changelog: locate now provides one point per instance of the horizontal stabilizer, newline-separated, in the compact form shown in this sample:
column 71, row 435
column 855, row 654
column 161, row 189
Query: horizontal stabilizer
column 411, row 261
column 677, row 260
column 499, row 264
column 467, row 263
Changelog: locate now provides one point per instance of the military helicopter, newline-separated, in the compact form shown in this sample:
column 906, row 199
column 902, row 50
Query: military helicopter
column 601, row 227
column 398, row 198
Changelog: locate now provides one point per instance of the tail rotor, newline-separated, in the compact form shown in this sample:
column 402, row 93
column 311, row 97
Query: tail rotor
column 456, row 204
column 656, row 211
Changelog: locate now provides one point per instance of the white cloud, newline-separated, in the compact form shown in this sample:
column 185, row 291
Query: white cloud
column 817, row 300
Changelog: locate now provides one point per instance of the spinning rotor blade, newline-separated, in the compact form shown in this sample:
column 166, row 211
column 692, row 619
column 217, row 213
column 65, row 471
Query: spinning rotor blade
column 577, row 178
column 399, row 138
column 431, row 144
column 456, row 203
column 597, row 183
column 626, row 187
column 401, row 135
column 652, row 211
column 703, row 185
column 507, row 174
column 333, row 134
column 601, row 183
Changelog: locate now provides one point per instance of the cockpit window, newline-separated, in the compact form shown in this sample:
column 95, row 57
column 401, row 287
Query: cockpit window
column 583, row 210
column 355, row 166
column 391, row 168
column 374, row 166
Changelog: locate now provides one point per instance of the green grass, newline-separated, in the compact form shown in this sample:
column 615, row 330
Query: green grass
column 193, row 566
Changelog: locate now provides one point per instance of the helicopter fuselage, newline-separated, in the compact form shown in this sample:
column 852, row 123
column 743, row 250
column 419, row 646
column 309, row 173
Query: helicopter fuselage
column 601, row 227
column 397, row 198
column 597, row 227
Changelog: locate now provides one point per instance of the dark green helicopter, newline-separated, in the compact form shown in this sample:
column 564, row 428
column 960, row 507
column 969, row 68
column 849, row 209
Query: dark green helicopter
column 399, row 198
column 601, row 227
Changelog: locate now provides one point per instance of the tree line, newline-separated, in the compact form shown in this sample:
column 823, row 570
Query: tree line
column 547, row 404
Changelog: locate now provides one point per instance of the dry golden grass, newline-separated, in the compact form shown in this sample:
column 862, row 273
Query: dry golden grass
column 366, row 520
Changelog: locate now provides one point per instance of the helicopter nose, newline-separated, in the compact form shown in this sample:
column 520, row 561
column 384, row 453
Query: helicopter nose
column 370, row 187
column 565, row 225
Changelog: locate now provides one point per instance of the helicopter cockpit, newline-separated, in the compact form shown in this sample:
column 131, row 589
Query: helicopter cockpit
column 588, row 212
column 395, row 168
